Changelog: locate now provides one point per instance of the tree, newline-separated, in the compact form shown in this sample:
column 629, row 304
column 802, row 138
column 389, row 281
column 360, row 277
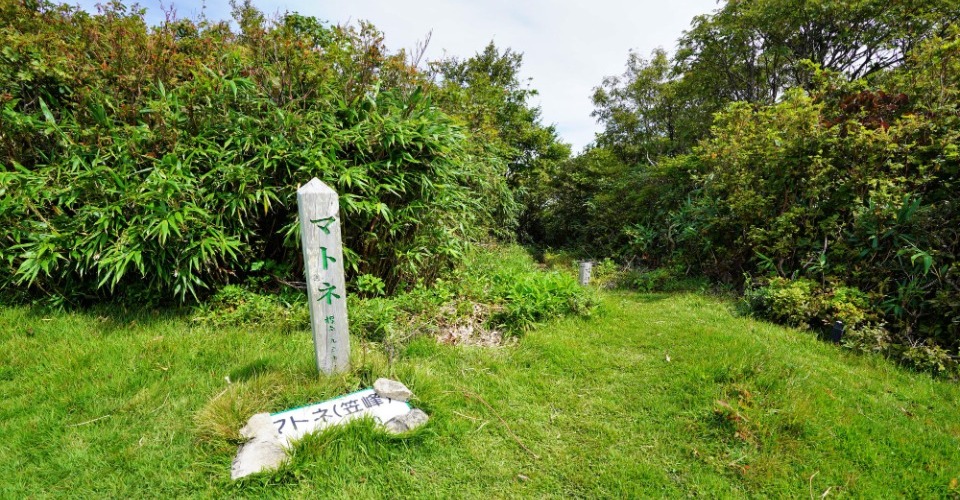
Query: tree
column 646, row 112
column 751, row 51
column 487, row 93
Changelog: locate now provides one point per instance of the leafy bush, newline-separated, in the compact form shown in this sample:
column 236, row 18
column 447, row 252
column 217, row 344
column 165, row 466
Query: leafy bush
column 234, row 305
column 924, row 357
column 874, row 338
column 849, row 305
column 803, row 302
column 498, row 288
column 787, row 301
column 644, row 280
column 532, row 298
column 844, row 190
column 163, row 163
column 605, row 274
column 558, row 259
column 373, row 319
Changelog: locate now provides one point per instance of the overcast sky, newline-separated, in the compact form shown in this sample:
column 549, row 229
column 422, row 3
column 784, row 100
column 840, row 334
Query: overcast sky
column 568, row 46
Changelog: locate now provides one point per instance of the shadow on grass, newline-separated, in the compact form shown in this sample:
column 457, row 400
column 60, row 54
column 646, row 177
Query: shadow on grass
column 109, row 318
column 259, row 367
column 649, row 298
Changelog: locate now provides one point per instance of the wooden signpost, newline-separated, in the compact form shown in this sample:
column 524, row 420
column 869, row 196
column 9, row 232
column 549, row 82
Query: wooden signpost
column 585, row 268
column 319, row 208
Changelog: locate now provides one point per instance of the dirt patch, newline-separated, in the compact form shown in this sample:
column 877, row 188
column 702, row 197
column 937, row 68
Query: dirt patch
column 469, row 328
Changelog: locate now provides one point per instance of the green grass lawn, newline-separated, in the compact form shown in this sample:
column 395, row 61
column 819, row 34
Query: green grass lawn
column 654, row 395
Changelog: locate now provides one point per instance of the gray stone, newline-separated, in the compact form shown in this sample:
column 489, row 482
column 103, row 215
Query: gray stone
column 406, row 422
column 392, row 389
column 262, row 451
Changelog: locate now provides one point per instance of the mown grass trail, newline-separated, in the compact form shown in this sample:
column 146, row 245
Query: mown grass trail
column 655, row 395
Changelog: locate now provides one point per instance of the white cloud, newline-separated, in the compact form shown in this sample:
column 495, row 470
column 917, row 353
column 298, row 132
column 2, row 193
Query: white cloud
column 568, row 45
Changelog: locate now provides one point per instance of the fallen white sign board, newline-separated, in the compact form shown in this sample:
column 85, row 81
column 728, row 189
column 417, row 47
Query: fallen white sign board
column 294, row 424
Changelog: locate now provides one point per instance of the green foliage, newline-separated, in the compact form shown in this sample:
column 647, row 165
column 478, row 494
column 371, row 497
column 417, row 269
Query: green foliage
column 534, row 298
column 803, row 302
column 653, row 280
column 487, row 93
column 831, row 189
column 234, row 305
column 793, row 302
column 638, row 214
column 605, row 274
column 753, row 52
column 373, row 319
column 497, row 289
column 925, row 356
column 558, row 259
column 370, row 285
column 644, row 111
column 840, row 188
column 162, row 163
column 580, row 204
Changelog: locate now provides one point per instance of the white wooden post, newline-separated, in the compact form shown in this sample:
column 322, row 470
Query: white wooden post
column 585, row 268
column 319, row 208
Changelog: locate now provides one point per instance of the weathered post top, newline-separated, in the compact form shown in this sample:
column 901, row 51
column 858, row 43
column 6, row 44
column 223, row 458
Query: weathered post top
column 316, row 186
column 319, row 210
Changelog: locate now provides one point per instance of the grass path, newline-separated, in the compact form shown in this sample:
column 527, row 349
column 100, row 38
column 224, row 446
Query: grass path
column 654, row 395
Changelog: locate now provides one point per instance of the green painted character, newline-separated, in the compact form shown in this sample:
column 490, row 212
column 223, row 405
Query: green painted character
column 328, row 293
column 324, row 224
column 324, row 258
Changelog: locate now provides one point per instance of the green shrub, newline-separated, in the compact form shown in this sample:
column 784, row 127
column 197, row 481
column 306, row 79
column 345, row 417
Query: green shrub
column 840, row 182
column 554, row 259
column 871, row 338
column 497, row 288
column 162, row 163
column 606, row 274
column 849, row 305
column 535, row 297
column 369, row 285
column 803, row 302
column 788, row 301
column 373, row 319
column 647, row 280
column 234, row 305
column 926, row 357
